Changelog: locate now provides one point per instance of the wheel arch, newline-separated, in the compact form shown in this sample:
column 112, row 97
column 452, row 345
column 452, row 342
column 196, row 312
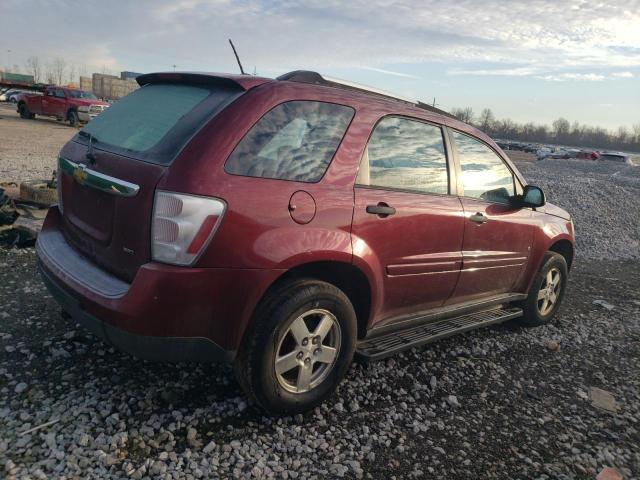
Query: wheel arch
column 345, row 276
column 565, row 248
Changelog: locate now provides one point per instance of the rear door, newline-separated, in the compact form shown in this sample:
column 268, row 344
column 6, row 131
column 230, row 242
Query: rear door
column 109, row 172
column 497, row 237
column 405, row 219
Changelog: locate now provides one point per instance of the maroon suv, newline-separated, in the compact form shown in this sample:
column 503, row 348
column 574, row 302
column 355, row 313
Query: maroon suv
column 286, row 225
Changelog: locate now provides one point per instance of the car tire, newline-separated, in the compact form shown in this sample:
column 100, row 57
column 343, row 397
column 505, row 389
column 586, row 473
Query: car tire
column 24, row 111
column 282, row 365
column 545, row 296
column 72, row 116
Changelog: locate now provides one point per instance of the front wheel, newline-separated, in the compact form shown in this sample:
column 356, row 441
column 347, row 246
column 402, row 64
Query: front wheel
column 24, row 111
column 547, row 291
column 73, row 118
column 299, row 347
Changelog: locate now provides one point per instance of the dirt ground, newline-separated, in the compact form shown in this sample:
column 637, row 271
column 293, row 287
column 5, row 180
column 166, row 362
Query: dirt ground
column 29, row 148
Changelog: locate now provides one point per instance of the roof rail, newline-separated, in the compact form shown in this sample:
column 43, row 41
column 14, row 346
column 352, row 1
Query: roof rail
column 307, row 76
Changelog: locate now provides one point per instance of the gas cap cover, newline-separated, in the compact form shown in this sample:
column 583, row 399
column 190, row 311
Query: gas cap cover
column 302, row 207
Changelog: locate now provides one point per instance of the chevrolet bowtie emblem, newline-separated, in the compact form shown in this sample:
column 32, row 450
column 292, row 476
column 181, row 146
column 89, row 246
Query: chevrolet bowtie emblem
column 79, row 174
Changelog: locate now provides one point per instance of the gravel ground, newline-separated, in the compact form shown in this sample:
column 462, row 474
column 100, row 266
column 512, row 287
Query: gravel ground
column 602, row 197
column 502, row 402
column 29, row 148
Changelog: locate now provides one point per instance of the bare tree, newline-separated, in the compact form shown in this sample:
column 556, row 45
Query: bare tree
column 561, row 128
column 58, row 68
column 34, row 68
column 463, row 114
column 72, row 73
column 486, row 120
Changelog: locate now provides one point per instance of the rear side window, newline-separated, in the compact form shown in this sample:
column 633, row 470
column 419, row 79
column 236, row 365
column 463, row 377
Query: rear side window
column 405, row 154
column 155, row 121
column 484, row 174
column 293, row 141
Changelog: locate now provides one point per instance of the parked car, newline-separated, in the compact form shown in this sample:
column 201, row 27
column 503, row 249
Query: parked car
column 75, row 106
column 286, row 225
column 615, row 157
column 7, row 94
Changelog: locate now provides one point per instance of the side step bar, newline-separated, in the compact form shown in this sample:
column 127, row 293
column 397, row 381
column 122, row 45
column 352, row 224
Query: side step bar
column 391, row 343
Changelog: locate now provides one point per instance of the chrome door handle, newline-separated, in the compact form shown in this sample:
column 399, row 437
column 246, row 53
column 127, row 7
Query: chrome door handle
column 478, row 218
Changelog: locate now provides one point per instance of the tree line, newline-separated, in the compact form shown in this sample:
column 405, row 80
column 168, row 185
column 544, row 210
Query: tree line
column 561, row 131
column 55, row 71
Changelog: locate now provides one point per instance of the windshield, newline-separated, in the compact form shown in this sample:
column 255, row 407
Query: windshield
column 82, row 94
column 155, row 121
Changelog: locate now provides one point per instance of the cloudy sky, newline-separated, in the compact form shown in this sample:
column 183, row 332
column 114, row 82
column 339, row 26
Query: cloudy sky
column 528, row 60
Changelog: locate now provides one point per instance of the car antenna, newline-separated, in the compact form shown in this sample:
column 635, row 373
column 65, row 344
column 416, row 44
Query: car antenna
column 237, row 57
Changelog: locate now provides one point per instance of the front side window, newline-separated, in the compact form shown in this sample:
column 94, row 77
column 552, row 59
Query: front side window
column 484, row 175
column 405, row 154
column 294, row 141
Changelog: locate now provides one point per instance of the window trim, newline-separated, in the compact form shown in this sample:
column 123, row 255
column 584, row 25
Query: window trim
column 324, row 174
column 458, row 166
column 451, row 175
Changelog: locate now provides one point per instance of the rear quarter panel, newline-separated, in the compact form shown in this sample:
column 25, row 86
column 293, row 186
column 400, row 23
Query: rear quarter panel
column 257, row 230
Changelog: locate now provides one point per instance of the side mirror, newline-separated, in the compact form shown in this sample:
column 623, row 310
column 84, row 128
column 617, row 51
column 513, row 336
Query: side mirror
column 533, row 197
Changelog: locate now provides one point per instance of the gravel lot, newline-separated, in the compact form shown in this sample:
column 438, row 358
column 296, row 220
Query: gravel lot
column 503, row 402
column 29, row 148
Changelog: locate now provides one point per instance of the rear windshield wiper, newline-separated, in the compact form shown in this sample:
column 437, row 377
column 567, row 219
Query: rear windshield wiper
column 90, row 156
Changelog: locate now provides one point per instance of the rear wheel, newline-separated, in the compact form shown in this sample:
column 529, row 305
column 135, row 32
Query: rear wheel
column 299, row 347
column 547, row 291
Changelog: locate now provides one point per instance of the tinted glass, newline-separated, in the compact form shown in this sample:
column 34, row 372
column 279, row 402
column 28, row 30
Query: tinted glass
column 407, row 155
column 484, row 174
column 141, row 119
column 294, row 141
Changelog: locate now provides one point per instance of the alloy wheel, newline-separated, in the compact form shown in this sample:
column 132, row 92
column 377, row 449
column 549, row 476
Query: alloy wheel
column 549, row 291
column 307, row 351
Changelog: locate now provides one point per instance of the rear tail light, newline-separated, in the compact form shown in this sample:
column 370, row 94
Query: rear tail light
column 183, row 226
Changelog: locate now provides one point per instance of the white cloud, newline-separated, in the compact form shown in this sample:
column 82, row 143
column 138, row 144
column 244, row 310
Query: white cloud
column 622, row 75
column 518, row 38
column 582, row 77
column 390, row 72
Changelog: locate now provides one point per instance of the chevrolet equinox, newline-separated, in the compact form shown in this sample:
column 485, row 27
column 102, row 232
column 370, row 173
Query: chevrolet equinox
column 287, row 225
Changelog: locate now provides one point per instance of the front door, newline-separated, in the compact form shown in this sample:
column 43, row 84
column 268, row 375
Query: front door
column 58, row 103
column 497, row 237
column 405, row 222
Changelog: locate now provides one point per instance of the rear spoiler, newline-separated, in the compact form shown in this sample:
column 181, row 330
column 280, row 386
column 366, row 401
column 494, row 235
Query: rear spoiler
column 245, row 82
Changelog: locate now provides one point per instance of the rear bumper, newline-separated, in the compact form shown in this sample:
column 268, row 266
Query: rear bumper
column 167, row 349
column 167, row 313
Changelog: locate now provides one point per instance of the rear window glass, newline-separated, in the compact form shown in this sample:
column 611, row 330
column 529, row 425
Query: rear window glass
column 294, row 141
column 155, row 121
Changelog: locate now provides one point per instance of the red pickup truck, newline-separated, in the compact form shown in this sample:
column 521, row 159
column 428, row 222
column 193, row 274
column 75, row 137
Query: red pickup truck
column 63, row 103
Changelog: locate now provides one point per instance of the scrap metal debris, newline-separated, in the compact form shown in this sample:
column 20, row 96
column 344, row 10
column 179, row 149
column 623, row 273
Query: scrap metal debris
column 21, row 219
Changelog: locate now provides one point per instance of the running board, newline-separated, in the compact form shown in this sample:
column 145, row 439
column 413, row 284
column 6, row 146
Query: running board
column 391, row 343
